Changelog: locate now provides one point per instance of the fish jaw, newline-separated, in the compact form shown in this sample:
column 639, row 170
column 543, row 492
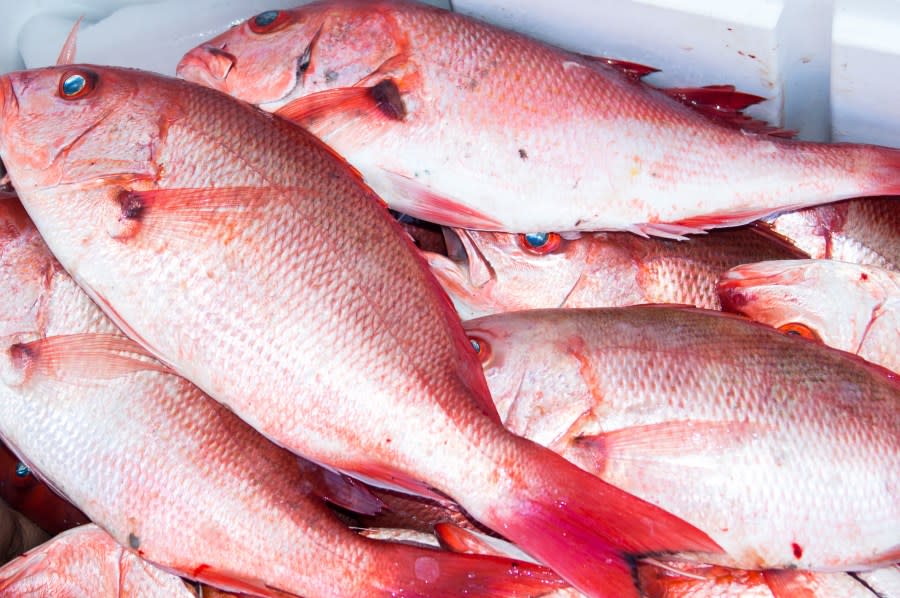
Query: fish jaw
column 207, row 64
column 8, row 103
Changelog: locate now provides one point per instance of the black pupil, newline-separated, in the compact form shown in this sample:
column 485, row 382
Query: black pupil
column 266, row 18
column 475, row 345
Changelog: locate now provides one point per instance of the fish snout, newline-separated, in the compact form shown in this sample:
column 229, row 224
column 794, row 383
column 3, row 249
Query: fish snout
column 207, row 64
column 733, row 292
column 9, row 103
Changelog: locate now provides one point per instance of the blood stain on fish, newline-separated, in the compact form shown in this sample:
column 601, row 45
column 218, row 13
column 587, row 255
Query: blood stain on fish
column 797, row 549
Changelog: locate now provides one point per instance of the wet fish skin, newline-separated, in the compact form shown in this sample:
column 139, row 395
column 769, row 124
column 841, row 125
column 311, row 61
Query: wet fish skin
column 860, row 231
column 278, row 273
column 175, row 476
column 86, row 561
column 716, row 419
column 850, row 307
column 541, row 139
column 497, row 272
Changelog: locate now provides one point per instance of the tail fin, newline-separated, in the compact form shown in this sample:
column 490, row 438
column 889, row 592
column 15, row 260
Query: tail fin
column 588, row 530
column 421, row 573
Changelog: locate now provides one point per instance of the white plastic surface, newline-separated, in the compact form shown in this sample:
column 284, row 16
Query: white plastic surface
column 828, row 68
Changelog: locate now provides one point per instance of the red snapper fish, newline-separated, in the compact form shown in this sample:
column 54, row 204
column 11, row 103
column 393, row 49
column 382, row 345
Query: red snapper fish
column 176, row 477
column 86, row 561
column 850, row 307
column 245, row 254
column 716, row 419
column 462, row 123
column 488, row 273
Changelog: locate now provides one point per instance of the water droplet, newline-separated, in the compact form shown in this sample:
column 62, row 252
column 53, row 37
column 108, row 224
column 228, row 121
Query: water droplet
column 427, row 569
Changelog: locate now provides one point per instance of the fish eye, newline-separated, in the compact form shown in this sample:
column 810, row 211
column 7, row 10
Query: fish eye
column 22, row 470
column 798, row 329
column 76, row 84
column 482, row 348
column 540, row 243
column 268, row 21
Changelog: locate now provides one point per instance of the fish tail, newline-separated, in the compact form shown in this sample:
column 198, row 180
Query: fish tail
column 589, row 531
column 426, row 573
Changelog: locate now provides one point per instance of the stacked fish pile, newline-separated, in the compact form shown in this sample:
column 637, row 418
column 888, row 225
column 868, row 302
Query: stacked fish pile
column 235, row 358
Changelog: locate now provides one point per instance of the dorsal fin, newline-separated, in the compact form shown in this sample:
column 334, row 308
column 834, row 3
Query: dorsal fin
column 67, row 53
column 724, row 105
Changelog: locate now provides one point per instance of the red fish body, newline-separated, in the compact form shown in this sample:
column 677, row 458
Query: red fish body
column 245, row 254
column 462, row 123
column 718, row 420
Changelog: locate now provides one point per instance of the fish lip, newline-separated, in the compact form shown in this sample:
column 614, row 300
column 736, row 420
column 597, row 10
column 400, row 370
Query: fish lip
column 207, row 63
column 9, row 101
column 9, row 108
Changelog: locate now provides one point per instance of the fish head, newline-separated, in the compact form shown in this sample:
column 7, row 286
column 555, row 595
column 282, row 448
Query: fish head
column 280, row 55
column 520, row 351
column 822, row 300
column 64, row 124
column 505, row 364
column 489, row 272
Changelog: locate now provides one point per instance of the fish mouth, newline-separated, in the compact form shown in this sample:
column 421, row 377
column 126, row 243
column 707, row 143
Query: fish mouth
column 763, row 273
column 9, row 109
column 736, row 287
column 207, row 64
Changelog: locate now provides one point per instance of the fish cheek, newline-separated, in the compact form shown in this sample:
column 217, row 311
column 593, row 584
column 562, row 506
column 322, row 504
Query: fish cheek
column 348, row 50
